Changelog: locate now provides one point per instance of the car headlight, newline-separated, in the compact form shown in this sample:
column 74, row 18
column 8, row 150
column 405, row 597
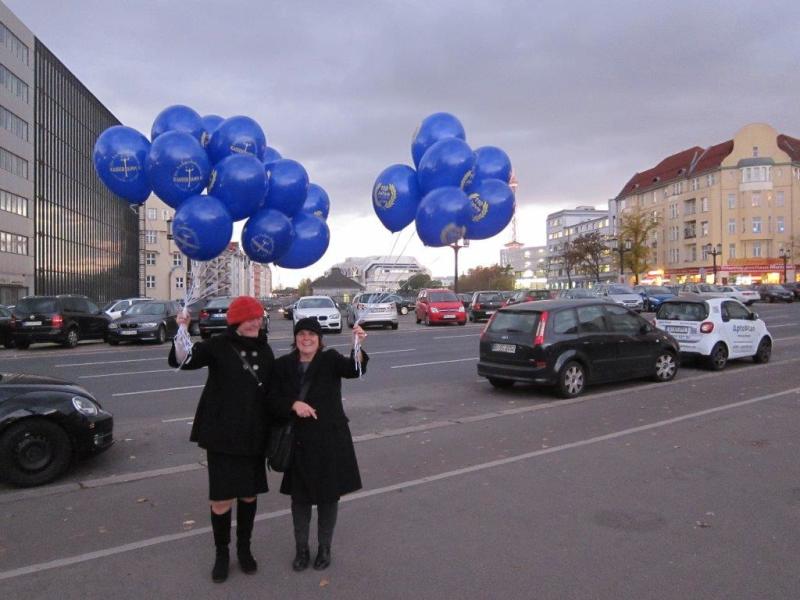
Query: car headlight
column 113, row 326
column 434, row 309
column 84, row 406
column 148, row 325
column 461, row 308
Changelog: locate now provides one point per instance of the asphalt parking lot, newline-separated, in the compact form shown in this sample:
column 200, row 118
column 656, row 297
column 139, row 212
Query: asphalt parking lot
column 688, row 489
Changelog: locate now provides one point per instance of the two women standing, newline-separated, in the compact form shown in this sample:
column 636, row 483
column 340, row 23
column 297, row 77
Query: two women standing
column 246, row 389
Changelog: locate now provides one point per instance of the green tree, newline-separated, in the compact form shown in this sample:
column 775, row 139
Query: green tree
column 304, row 287
column 417, row 282
column 634, row 229
column 487, row 278
column 590, row 250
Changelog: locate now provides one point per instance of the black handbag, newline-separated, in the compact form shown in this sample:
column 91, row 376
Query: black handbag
column 279, row 449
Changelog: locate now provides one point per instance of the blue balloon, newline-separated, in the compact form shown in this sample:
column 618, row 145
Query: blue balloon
column 396, row 196
column 490, row 163
column 288, row 186
column 492, row 205
column 434, row 128
column 446, row 163
column 240, row 184
column 271, row 155
column 317, row 201
column 178, row 118
column 267, row 235
column 202, row 227
column 210, row 123
column 177, row 167
column 442, row 216
column 119, row 158
column 311, row 240
column 237, row 135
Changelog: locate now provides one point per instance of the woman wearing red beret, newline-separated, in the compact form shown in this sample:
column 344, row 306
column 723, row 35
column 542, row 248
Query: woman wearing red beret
column 231, row 422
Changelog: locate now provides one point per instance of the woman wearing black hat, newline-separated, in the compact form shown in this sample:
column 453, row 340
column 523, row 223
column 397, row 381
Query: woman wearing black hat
column 231, row 423
column 323, row 466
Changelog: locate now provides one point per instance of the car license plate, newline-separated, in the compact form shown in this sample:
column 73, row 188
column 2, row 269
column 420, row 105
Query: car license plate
column 31, row 323
column 449, row 316
column 218, row 316
column 489, row 312
column 510, row 348
column 674, row 329
column 129, row 332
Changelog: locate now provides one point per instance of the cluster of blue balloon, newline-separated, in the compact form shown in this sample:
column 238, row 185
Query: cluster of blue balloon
column 454, row 192
column 243, row 179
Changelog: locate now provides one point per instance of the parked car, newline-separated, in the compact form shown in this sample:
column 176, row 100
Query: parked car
column 403, row 305
column 154, row 320
column 372, row 308
column 653, row 295
column 115, row 308
column 213, row 317
column 64, row 319
column 439, row 306
column 465, row 298
column 715, row 329
column 270, row 304
column 743, row 295
column 287, row 308
column 704, row 290
column 483, row 305
column 772, row 292
column 571, row 343
column 44, row 424
column 6, row 339
column 576, row 294
column 321, row 308
column 194, row 314
column 621, row 294
column 529, row 296
column 794, row 287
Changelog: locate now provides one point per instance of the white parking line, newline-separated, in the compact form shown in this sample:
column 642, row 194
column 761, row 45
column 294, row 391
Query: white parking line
column 110, row 362
column 450, row 337
column 437, row 362
column 176, row 420
column 172, row 389
column 125, row 373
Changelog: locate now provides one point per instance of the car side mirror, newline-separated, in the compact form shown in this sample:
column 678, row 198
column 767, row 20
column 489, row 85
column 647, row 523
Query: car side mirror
column 645, row 328
column 753, row 316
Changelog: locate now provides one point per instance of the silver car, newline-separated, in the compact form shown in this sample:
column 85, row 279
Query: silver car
column 374, row 308
column 622, row 294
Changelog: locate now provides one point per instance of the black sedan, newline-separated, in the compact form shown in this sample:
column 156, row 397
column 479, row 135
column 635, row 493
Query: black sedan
column 153, row 321
column 772, row 292
column 44, row 424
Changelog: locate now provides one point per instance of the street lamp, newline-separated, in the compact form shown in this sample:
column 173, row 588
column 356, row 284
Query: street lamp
column 784, row 256
column 456, row 247
column 714, row 251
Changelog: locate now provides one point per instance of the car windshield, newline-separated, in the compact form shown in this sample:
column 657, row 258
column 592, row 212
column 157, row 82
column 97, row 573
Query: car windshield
column 315, row 303
column 513, row 322
column 108, row 305
column 580, row 293
column 443, row 297
column 219, row 303
column 374, row 298
column 620, row 289
column 707, row 287
column 657, row 289
column 490, row 297
column 146, row 308
column 682, row 311
column 36, row 305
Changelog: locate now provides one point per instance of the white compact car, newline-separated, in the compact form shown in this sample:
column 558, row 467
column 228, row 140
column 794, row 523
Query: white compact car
column 717, row 329
column 743, row 295
column 321, row 308
column 115, row 308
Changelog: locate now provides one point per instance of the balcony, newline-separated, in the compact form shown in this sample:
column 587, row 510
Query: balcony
column 689, row 233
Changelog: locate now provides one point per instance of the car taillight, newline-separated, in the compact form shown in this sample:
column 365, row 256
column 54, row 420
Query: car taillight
column 538, row 339
column 58, row 321
column 203, row 314
column 486, row 327
column 707, row 327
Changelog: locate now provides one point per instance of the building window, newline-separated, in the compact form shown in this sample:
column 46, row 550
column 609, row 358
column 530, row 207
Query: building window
column 779, row 199
column 756, row 249
column 731, row 251
column 13, row 164
column 165, row 214
column 755, row 174
column 151, row 258
column 704, row 204
column 710, row 179
column 756, row 224
column 755, row 151
column 692, row 254
column 179, row 282
column 695, row 184
column 15, row 45
column 152, row 214
column 151, row 236
column 177, row 259
column 704, row 228
column 13, row 243
column 732, row 226
column 780, row 224
column 756, row 199
column 731, row 200
column 14, row 86
column 12, row 123
column 150, row 281
column 14, row 204
column 673, row 211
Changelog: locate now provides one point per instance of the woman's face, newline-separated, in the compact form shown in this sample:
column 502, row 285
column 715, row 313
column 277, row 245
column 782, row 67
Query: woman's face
column 249, row 328
column 307, row 343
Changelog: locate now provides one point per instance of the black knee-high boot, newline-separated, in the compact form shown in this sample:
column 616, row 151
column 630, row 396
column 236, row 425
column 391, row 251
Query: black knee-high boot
column 326, row 521
column 245, row 516
column 301, row 518
column 221, row 525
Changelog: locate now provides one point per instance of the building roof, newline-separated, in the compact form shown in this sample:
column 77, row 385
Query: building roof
column 335, row 279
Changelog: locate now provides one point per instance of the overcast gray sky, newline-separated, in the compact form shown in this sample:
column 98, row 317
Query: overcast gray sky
column 580, row 94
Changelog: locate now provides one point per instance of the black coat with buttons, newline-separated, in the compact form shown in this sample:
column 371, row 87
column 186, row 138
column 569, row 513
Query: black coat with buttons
column 233, row 414
column 324, row 465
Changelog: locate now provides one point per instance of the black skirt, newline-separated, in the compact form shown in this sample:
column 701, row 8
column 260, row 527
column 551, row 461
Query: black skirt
column 231, row 476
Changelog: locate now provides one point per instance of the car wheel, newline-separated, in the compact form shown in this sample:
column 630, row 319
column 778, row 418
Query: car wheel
column 34, row 452
column 113, row 342
column 770, row 299
column 72, row 338
column 8, row 343
column 161, row 336
column 337, row 330
column 351, row 325
column 764, row 351
column 718, row 357
column 571, row 380
column 403, row 310
column 22, row 344
column 666, row 367
column 395, row 325
column 500, row 383
column 464, row 322
column 471, row 318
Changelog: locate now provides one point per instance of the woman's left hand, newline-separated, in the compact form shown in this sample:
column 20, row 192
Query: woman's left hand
column 304, row 410
column 359, row 334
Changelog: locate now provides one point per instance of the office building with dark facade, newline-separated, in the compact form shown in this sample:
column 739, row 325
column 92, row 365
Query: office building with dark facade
column 61, row 230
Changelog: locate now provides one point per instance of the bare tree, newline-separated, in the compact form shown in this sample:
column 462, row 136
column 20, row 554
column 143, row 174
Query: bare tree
column 591, row 251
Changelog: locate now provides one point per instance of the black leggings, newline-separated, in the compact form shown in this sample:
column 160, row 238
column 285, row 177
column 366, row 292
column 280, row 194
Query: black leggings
column 326, row 521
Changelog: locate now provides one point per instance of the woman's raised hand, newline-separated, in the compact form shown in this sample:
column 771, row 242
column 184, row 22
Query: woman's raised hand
column 183, row 317
column 359, row 334
column 304, row 410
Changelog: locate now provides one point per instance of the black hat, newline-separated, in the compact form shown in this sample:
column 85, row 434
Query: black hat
column 308, row 324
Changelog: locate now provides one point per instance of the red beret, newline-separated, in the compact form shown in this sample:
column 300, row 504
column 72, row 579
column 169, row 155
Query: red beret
column 244, row 308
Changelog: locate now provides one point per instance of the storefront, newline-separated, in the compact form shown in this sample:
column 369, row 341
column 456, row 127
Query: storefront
column 746, row 272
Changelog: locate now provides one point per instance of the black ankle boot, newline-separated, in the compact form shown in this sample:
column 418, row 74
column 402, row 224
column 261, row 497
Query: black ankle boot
column 301, row 559
column 245, row 515
column 323, row 560
column 221, row 525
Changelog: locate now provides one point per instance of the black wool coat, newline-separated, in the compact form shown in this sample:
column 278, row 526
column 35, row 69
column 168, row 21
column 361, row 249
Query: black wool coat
column 323, row 465
column 234, row 413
